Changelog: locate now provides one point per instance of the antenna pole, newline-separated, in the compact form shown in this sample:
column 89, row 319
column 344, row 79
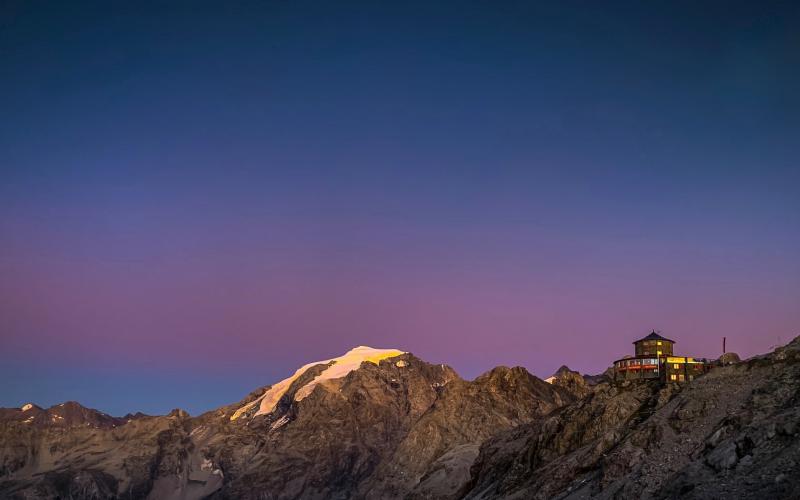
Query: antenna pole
column 723, row 345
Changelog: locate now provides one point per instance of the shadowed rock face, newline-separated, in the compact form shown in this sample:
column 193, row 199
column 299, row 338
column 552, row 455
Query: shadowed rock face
column 734, row 433
column 393, row 428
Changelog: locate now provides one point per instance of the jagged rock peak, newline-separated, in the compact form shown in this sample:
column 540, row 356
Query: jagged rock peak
column 570, row 380
column 564, row 369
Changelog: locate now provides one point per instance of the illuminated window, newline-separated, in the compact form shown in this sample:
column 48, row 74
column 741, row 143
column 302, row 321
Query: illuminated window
column 676, row 366
column 659, row 342
column 680, row 377
column 673, row 377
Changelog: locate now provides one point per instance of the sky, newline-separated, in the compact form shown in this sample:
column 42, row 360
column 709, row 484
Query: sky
column 198, row 198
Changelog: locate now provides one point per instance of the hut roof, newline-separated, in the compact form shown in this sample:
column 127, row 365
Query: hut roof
column 654, row 336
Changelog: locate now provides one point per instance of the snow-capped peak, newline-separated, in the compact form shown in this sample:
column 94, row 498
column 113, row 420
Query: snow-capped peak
column 339, row 367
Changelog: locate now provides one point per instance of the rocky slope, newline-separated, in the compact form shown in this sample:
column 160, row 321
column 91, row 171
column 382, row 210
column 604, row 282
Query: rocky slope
column 733, row 433
column 372, row 423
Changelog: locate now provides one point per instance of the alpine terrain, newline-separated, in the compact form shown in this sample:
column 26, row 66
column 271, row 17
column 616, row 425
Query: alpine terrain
column 382, row 423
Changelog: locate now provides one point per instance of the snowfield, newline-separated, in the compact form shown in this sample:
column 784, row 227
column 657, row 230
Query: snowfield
column 340, row 368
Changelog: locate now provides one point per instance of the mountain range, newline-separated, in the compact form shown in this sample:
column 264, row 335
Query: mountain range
column 382, row 423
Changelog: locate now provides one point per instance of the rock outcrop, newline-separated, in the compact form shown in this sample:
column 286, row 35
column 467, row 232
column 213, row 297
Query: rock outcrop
column 729, row 358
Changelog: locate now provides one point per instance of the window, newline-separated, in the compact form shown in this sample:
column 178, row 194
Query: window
column 673, row 377
column 659, row 342
column 676, row 366
column 680, row 378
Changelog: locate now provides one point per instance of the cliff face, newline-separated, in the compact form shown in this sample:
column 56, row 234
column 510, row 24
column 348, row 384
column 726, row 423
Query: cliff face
column 733, row 433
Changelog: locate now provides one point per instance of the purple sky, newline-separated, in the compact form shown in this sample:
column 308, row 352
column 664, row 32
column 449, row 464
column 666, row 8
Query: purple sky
column 195, row 203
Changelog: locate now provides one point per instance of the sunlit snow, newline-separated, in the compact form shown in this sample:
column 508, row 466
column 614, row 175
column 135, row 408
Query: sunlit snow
column 340, row 368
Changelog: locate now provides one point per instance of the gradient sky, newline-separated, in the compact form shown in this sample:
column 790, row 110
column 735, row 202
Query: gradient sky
column 196, row 200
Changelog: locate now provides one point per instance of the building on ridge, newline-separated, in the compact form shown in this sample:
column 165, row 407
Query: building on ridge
column 655, row 360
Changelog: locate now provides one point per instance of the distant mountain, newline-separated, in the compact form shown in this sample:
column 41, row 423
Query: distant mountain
column 574, row 382
column 64, row 415
column 382, row 423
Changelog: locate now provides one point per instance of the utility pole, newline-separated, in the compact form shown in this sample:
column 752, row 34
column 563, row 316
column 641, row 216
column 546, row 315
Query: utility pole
column 723, row 345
